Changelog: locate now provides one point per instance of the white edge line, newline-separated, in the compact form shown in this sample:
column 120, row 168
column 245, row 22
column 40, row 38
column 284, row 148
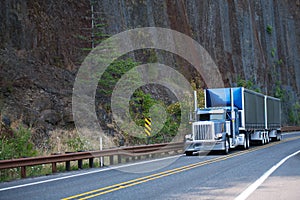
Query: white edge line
column 86, row 173
column 246, row 193
column 290, row 133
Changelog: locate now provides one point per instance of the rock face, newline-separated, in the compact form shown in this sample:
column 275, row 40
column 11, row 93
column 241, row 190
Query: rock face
column 41, row 47
column 39, row 55
column 258, row 41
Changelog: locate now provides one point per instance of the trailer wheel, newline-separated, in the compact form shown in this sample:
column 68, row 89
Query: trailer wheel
column 246, row 142
column 278, row 138
column 266, row 138
column 262, row 142
column 227, row 146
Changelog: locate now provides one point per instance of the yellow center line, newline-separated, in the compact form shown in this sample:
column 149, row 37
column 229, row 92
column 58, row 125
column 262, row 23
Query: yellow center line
column 133, row 182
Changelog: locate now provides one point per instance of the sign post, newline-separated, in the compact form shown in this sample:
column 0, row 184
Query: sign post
column 148, row 128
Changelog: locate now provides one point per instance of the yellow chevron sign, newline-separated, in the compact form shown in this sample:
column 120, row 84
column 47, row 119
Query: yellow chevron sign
column 148, row 126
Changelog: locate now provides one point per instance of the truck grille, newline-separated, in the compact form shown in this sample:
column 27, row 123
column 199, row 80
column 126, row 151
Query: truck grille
column 203, row 132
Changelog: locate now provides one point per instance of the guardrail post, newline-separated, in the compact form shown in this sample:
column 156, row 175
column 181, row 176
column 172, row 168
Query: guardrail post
column 119, row 159
column 111, row 160
column 68, row 165
column 101, row 161
column 79, row 164
column 91, row 162
column 135, row 158
column 23, row 172
column 54, row 169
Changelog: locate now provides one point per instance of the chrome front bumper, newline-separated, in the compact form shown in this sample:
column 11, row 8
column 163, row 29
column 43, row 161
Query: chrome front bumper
column 211, row 145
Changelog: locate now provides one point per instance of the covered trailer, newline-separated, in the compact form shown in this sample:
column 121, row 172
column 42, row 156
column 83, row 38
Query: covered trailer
column 256, row 110
column 273, row 118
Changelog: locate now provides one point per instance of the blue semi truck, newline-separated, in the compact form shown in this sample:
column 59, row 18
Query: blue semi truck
column 233, row 117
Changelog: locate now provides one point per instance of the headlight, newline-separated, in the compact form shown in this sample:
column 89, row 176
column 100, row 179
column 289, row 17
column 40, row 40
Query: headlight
column 189, row 137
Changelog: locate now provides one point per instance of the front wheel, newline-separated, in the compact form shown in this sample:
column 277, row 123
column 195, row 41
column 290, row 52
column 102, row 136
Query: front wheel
column 245, row 143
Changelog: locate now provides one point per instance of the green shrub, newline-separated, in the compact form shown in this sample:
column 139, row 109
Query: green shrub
column 279, row 93
column 269, row 29
column 247, row 84
column 112, row 75
column 76, row 144
column 294, row 114
column 18, row 145
column 273, row 51
column 140, row 105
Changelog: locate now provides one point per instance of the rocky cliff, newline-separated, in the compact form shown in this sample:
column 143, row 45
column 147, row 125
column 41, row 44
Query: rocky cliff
column 42, row 45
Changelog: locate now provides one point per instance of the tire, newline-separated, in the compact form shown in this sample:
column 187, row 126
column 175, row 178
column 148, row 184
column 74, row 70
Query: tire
column 279, row 138
column 248, row 141
column 245, row 146
column 263, row 141
column 227, row 146
column 188, row 153
column 268, row 139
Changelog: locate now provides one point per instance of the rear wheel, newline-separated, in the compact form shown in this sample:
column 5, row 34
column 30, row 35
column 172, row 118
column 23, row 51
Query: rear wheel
column 279, row 138
column 248, row 141
column 278, row 135
column 245, row 142
column 262, row 142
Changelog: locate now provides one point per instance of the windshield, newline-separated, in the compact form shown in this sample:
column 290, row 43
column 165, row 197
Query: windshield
column 210, row 117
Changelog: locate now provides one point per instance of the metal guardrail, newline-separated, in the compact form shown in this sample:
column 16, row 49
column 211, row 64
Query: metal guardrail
column 134, row 151
column 290, row 128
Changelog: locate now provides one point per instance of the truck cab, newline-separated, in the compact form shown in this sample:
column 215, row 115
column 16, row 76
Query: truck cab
column 213, row 129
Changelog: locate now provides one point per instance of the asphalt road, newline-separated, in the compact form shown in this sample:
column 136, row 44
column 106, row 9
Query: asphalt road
column 196, row 177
